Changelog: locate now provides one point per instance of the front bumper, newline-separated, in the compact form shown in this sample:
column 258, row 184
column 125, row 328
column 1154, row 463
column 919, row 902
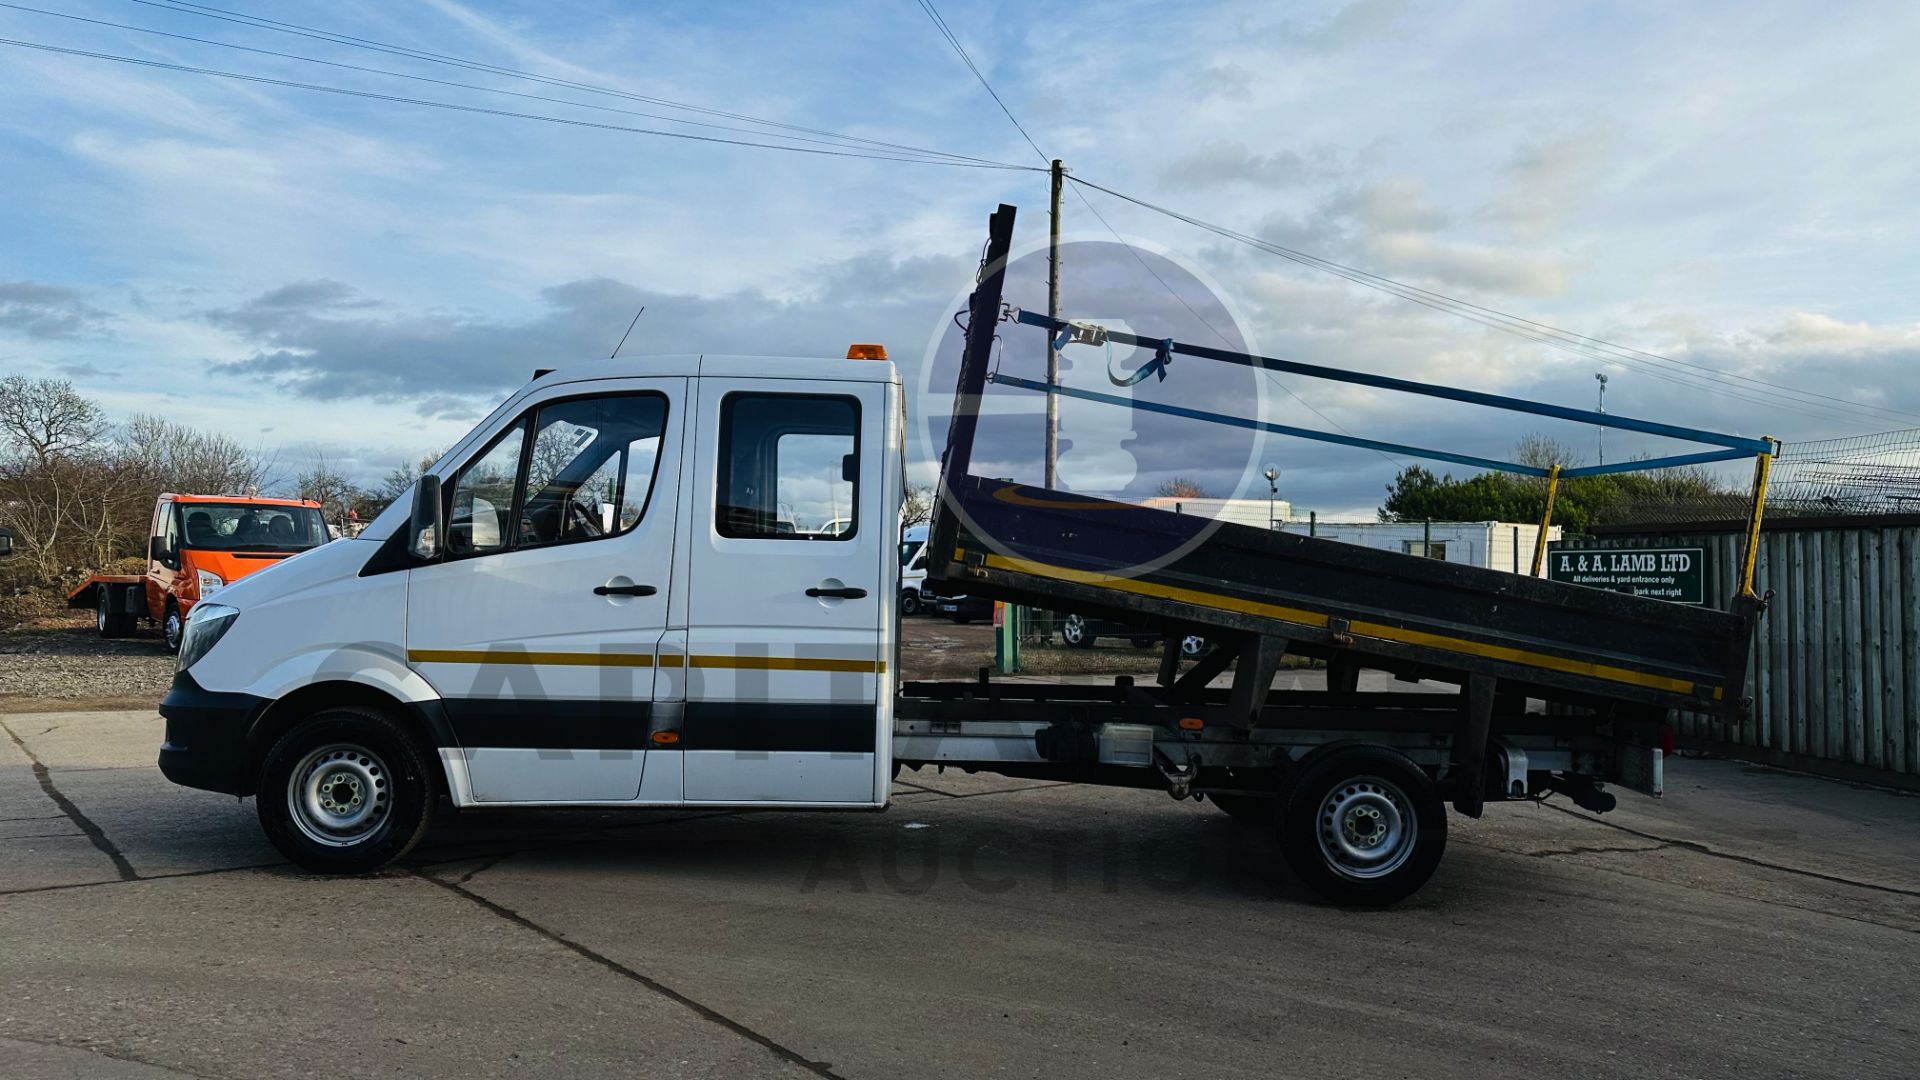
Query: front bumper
column 206, row 741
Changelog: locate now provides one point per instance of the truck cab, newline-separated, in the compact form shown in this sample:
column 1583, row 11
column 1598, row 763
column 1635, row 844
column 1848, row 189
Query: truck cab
column 596, row 598
column 197, row 545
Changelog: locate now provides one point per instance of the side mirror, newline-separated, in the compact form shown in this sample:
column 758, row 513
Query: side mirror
column 157, row 549
column 6, row 542
column 428, row 528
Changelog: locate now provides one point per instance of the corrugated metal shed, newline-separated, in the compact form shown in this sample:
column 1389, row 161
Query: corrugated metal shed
column 1835, row 674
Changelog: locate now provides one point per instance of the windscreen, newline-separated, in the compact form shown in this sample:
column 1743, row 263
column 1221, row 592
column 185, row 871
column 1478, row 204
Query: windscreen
column 230, row 527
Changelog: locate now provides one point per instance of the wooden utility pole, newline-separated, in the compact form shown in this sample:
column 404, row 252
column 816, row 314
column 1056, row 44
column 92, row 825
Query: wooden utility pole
column 1053, row 312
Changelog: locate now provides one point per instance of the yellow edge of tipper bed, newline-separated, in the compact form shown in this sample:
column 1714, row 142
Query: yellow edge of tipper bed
column 1300, row 616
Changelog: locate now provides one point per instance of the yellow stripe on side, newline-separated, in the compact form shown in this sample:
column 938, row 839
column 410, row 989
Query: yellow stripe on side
column 1220, row 602
column 668, row 660
column 787, row 663
column 504, row 656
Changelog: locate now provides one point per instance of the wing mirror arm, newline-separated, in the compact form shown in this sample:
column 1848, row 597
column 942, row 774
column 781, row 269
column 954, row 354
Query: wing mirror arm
column 428, row 529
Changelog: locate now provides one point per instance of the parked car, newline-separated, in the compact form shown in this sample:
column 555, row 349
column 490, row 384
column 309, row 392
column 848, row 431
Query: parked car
column 961, row 609
column 1084, row 631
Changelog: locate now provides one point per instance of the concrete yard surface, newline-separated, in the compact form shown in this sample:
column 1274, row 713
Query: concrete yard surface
column 1753, row 924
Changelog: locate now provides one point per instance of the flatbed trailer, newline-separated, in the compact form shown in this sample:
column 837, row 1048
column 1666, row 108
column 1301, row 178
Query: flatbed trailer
column 1554, row 687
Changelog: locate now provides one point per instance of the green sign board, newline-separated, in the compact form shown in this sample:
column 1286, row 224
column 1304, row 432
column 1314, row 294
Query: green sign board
column 1676, row 574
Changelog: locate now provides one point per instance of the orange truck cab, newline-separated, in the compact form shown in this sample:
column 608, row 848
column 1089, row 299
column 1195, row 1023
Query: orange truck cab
column 196, row 546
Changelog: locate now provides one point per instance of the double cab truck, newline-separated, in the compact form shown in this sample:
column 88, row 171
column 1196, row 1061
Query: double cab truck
column 590, row 601
column 196, row 546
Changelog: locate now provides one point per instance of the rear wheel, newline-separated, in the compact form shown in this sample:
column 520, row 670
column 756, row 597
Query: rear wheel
column 1076, row 633
column 111, row 624
column 346, row 791
column 173, row 626
column 1363, row 826
column 909, row 602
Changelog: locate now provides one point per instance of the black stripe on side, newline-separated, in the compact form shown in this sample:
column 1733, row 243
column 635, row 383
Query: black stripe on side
column 560, row 725
column 752, row 725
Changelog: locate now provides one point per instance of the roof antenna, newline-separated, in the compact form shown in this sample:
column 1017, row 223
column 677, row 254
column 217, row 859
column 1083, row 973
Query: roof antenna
column 630, row 326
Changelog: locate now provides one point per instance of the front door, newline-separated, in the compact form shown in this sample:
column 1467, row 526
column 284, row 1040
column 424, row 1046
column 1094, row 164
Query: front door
column 792, row 527
column 540, row 624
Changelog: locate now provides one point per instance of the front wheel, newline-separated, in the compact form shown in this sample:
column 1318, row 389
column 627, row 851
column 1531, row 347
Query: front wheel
column 173, row 627
column 346, row 791
column 909, row 602
column 1363, row 826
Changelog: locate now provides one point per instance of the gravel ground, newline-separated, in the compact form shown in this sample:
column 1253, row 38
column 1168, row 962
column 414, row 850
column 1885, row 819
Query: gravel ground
column 70, row 667
column 74, row 668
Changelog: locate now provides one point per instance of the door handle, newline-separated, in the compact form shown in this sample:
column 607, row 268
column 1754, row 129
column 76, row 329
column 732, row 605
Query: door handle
column 847, row 593
column 624, row 590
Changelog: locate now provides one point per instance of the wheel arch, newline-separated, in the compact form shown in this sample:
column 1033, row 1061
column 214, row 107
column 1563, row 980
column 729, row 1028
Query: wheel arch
column 426, row 720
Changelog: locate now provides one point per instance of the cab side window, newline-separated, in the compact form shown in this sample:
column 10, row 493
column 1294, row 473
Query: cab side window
column 592, row 466
column 789, row 467
column 587, row 473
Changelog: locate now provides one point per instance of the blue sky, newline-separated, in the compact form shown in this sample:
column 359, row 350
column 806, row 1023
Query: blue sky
column 1726, row 184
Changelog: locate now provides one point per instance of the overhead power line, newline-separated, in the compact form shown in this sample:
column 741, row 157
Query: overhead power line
column 319, row 34
column 444, row 82
column 1695, row 376
column 482, row 111
column 940, row 24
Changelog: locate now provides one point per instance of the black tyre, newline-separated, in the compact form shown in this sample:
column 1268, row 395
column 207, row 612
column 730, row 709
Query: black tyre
column 909, row 602
column 346, row 791
column 173, row 627
column 1363, row 826
column 106, row 620
column 1076, row 633
column 1251, row 809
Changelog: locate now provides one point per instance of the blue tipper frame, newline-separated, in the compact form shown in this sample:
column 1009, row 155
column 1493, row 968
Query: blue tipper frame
column 1735, row 446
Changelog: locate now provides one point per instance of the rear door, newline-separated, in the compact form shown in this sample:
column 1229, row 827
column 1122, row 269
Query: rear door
column 540, row 626
column 786, row 616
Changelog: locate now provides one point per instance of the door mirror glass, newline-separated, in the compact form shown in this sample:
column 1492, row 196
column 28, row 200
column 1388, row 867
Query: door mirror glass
column 6, row 542
column 157, row 549
column 426, row 527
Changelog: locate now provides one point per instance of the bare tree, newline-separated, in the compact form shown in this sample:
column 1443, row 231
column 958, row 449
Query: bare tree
column 917, row 507
column 324, row 484
column 1181, row 487
column 175, row 457
column 44, row 418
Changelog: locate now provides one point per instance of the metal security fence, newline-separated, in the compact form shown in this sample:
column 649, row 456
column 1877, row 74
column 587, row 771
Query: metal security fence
column 1835, row 670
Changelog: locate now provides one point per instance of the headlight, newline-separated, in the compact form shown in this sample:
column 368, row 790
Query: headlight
column 210, row 583
column 206, row 625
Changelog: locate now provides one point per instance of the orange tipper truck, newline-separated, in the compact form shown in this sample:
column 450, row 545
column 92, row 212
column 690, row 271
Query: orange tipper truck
column 198, row 545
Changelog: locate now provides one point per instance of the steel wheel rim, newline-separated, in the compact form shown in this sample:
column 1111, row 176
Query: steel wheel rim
column 1366, row 828
column 1192, row 644
column 173, row 629
column 1073, row 629
column 340, row 795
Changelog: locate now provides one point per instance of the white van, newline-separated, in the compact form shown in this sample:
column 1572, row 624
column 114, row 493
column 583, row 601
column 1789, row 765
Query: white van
column 540, row 641
column 913, row 568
